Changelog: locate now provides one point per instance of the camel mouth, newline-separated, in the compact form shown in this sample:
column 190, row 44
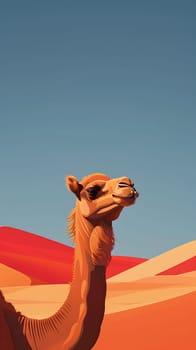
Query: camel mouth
column 126, row 198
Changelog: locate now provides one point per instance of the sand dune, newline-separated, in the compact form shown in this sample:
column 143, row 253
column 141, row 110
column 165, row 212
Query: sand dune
column 129, row 295
column 43, row 260
column 189, row 274
column 166, row 325
column 10, row 277
column 37, row 301
column 158, row 264
column 146, row 293
column 49, row 262
column 136, row 287
column 169, row 324
column 42, row 301
column 46, row 261
column 186, row 266
column 144, row 309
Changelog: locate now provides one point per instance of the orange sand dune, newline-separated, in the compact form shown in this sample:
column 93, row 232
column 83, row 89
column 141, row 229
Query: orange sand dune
column 10, row 277
column 167, row 325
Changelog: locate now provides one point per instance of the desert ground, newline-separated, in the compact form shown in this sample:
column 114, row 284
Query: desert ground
column 150, row 304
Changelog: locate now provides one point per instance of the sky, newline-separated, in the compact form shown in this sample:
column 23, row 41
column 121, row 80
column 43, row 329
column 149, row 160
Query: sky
column 99, row 86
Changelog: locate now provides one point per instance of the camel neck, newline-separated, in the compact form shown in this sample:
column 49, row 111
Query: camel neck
column 95, row 307
column 77, row 324
column 88, row 288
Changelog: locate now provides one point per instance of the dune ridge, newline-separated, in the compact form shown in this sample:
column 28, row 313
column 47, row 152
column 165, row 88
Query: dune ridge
column 10, row 277
column 158, row 264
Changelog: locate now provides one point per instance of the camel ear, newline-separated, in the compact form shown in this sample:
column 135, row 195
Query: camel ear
column 73, row 185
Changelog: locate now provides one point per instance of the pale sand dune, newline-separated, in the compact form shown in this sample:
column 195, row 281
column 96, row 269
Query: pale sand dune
column 37, row 301
column 42, row 301
column 131, row 295
column 188, row 274
column 158, row 264
column 12, row 277
column 133, row 300
column 151, row 283
column 51, row 292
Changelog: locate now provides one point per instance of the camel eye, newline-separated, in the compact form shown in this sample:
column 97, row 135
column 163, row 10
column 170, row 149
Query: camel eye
column 92, row 191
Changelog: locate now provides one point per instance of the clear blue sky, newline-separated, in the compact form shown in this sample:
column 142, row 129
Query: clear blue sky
column 106, row 86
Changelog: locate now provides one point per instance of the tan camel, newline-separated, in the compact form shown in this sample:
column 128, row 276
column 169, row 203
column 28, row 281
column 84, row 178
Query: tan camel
column 76, row 325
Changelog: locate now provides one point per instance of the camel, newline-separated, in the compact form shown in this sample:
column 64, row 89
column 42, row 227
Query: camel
column 76, row 325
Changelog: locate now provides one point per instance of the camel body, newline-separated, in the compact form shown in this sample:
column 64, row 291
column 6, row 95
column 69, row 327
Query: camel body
column 76, row 325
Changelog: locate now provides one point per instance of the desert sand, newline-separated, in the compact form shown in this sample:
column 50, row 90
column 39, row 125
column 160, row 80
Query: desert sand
column 146, row 309
column 150, row 314
column 10, row 277
column 120, row 296
column 159, row 264
column 168, row 325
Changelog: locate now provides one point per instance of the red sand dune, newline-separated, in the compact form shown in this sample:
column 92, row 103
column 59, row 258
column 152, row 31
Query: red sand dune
column 44, row 260
column 166, row 325
column 186, row 266
column 48, row 262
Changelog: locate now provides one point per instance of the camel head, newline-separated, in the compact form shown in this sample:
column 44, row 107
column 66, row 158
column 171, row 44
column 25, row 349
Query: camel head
column 99, row 196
